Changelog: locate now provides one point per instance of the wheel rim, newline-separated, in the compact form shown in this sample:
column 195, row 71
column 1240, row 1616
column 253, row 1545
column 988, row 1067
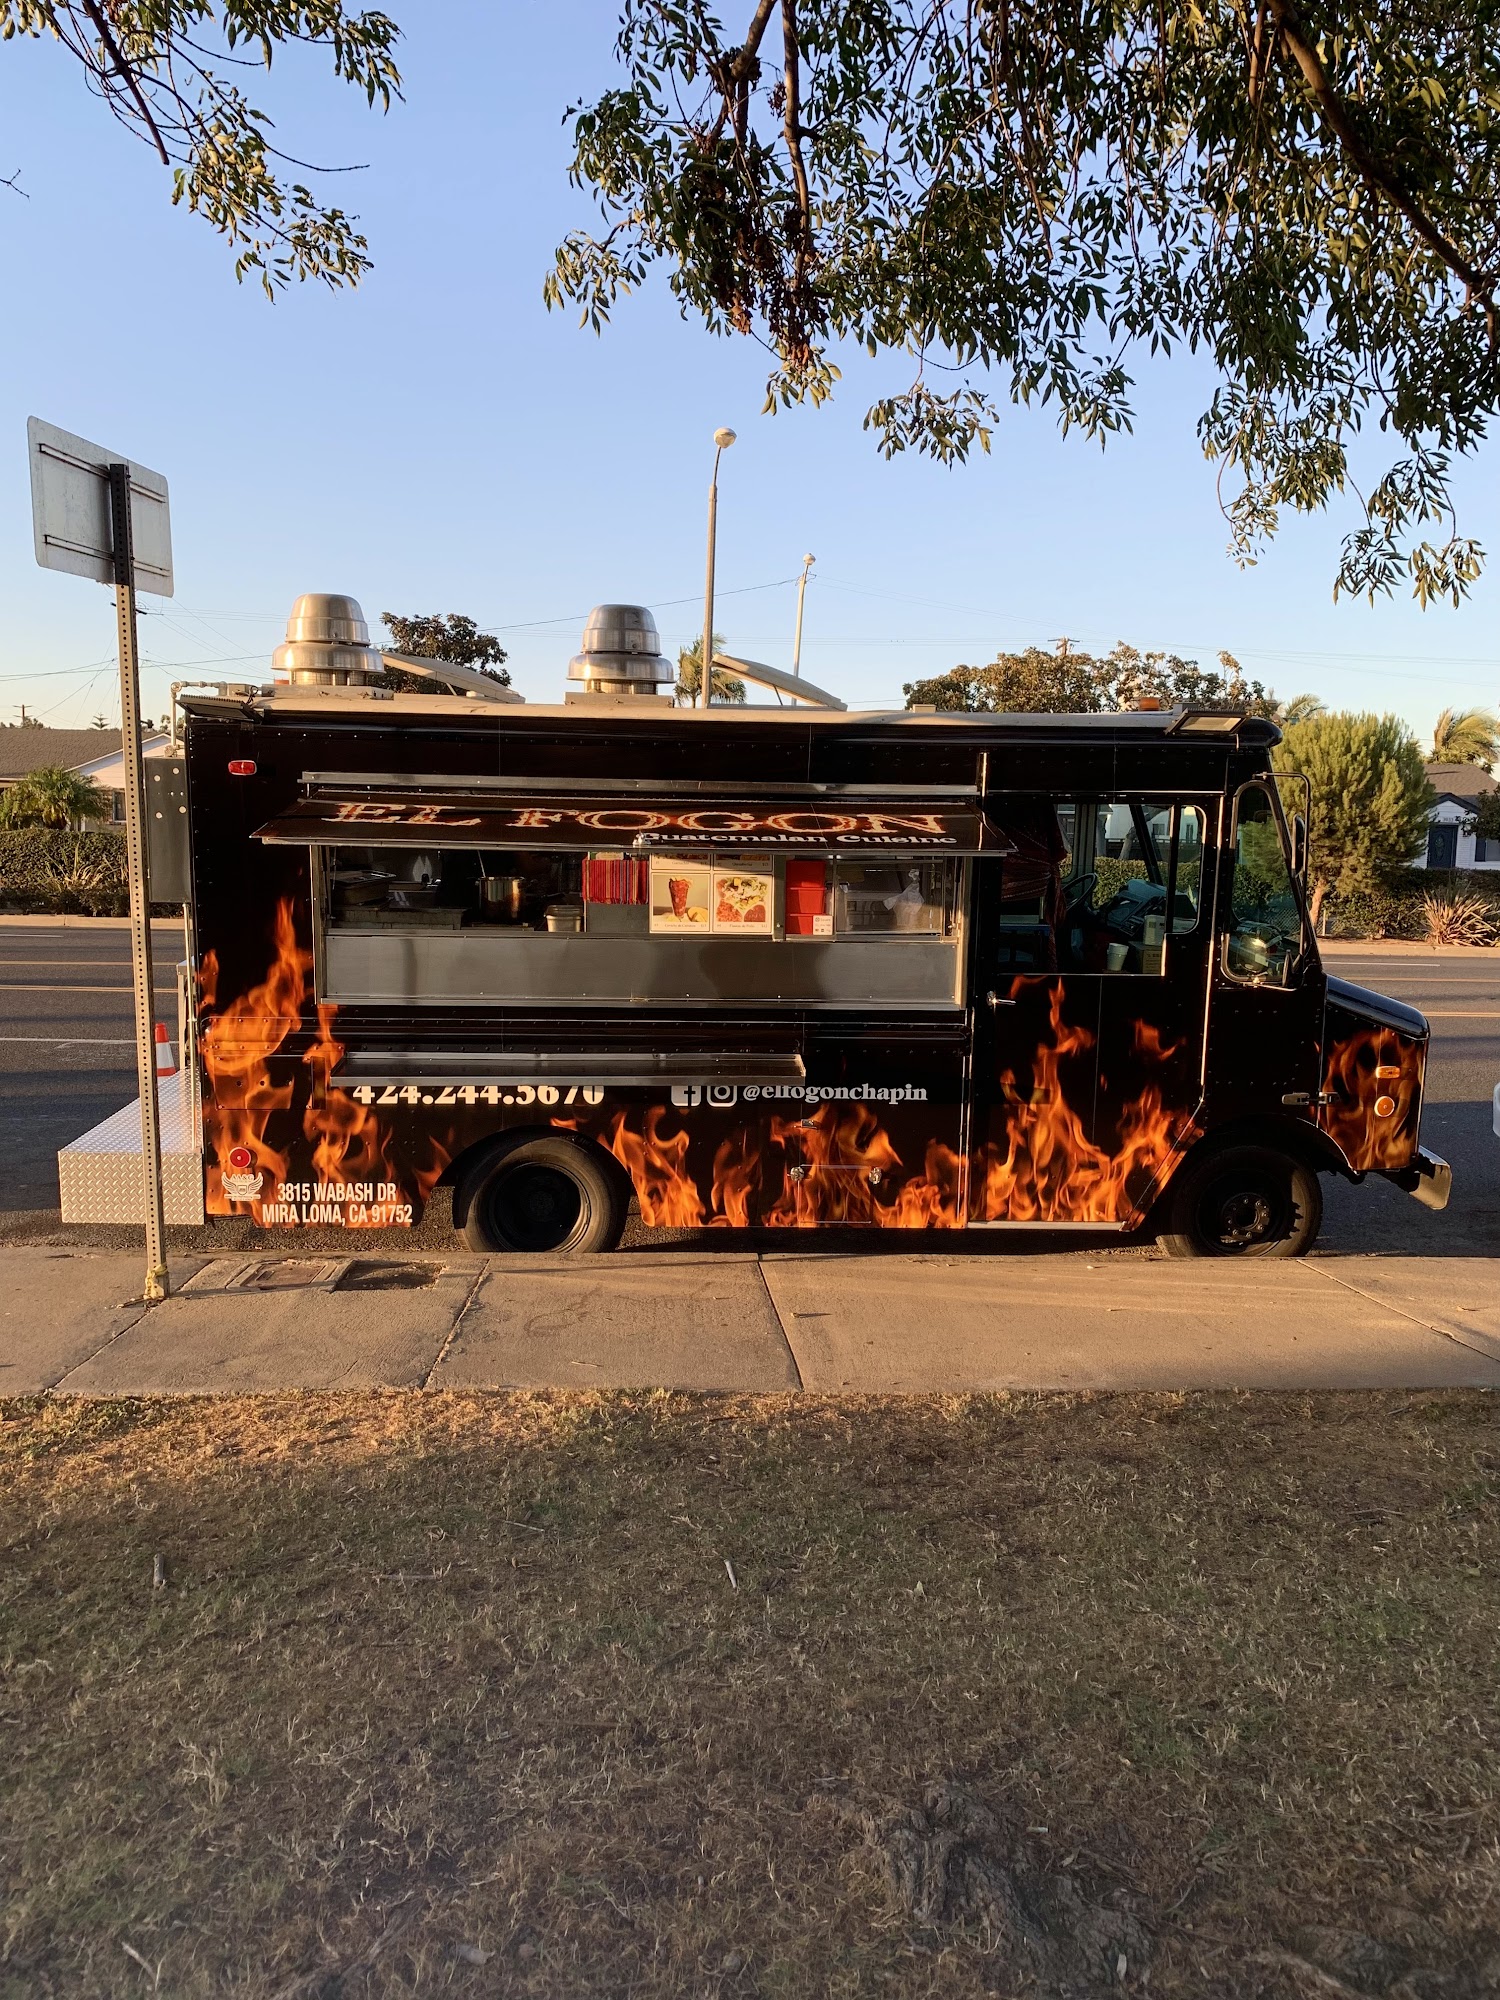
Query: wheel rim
column 535, row 1207
column 1243, row 1213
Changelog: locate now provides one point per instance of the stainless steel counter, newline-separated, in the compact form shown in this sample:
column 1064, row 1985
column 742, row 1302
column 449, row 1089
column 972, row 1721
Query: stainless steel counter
column 436, row 969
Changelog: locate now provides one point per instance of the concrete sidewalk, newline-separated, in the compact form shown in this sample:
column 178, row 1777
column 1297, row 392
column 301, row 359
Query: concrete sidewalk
column 709, row 1320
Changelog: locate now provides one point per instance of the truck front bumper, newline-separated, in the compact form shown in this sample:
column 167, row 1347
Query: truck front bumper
column 1429, row 1179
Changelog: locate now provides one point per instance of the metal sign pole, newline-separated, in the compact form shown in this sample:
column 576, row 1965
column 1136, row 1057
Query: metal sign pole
column 135, row 860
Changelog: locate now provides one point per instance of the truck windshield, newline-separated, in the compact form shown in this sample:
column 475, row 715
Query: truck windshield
column 1264, row 938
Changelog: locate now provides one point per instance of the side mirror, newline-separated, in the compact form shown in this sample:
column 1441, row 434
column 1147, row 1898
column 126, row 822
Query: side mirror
column 1299, row 844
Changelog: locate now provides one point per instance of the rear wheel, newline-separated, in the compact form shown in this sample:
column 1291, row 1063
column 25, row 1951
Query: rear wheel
column 1246, row 1201
column 540, row 1195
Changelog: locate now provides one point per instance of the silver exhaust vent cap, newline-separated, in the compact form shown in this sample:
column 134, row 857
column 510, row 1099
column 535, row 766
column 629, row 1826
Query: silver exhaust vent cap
column 327, row 643
column 621, row 652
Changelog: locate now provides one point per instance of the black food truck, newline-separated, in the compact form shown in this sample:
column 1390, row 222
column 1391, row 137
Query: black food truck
column 757, row 967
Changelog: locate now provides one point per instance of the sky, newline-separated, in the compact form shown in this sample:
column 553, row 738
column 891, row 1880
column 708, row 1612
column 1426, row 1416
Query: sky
column 437, row 441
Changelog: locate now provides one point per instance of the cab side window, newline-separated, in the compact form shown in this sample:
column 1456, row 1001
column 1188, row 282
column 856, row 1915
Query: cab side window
column 1264, row 937
column 1095, row 885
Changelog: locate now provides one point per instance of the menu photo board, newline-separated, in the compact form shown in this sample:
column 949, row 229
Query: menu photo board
column 745, row 897
column 730, row 898
column 681, row 895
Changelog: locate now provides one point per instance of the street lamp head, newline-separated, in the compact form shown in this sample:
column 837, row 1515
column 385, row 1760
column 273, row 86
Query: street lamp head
column 723, row 438
column 808, row 561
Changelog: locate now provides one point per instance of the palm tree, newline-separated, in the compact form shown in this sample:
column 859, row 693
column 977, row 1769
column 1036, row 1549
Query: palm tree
column 1301, row 708
column 1466, row 736
column 726, row 686
column 52, row 797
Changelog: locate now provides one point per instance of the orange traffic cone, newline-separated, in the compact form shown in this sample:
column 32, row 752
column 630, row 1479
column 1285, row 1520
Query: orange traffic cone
column 166, row 1062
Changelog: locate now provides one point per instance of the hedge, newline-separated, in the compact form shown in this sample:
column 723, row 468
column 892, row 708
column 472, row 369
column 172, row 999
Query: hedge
column 1396, row 911
column 74, row 874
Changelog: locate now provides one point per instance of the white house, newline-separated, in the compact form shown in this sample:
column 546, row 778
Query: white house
column 1451, row 840
column 91, row 753
column 108, row 771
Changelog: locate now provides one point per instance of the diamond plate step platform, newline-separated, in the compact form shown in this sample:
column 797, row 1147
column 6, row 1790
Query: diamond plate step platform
column 101, row 1175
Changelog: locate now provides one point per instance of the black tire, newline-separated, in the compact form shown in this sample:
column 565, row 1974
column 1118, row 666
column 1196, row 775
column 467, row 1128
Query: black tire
column 1244, row 1201
column 540, row 1196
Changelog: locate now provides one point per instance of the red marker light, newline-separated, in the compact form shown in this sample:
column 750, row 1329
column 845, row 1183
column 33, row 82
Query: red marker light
column 240, row 1157
column 242, row 767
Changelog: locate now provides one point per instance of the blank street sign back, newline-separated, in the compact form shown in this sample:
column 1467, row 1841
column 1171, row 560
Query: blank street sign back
column 70, row 510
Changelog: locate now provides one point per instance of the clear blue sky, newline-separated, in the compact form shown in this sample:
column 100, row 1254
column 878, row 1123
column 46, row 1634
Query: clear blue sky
column 437, row 441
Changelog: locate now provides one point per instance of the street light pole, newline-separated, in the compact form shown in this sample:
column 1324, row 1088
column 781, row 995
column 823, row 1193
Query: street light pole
column 807, row 563
column 722, row 441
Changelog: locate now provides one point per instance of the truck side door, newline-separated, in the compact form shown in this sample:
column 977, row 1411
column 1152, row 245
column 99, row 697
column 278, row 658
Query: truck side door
column 1267, row 1003
column 1088, row 989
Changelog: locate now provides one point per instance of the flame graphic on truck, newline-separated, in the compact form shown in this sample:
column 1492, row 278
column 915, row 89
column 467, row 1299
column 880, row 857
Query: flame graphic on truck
column 250, row 1094
column 271, row 1109
column 1372, row 1084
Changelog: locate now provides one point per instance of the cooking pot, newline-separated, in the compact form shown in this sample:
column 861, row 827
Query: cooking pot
column 501, row 896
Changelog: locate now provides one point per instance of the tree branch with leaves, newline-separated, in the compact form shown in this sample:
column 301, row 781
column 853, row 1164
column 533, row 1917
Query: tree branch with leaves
column 165, row 70
column 1021, row 201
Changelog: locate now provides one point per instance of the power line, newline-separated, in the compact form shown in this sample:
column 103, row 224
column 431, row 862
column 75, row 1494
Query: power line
column 654, row 604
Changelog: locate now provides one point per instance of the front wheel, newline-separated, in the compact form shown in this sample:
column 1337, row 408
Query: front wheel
column 1246, row 1201
column 540, row 1195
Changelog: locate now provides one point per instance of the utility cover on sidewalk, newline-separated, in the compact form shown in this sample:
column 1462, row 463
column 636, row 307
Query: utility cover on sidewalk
column 271, row 1274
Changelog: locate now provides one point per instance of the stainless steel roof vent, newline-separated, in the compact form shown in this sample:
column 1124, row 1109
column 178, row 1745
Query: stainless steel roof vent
column 621, row 653
column 327, row 644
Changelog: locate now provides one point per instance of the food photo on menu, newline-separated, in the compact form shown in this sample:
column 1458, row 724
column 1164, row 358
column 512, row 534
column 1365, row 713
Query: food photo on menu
column 681, row 894
column 745, row 897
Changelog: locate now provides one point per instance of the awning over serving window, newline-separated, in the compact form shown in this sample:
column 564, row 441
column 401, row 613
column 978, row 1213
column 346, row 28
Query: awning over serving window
column 901, row 825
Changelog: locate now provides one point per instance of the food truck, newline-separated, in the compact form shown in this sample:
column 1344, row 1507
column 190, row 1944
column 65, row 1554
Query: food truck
column 747, row 967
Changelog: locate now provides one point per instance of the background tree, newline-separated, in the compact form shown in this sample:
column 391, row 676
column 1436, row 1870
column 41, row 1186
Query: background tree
column 441, row 636
column 726, row 686
column 160, row 66
column 1067, row 682
column 1466, row 736
column 52, row 797
column 1017, row 200
column 1369, row 799
column 1487, row 817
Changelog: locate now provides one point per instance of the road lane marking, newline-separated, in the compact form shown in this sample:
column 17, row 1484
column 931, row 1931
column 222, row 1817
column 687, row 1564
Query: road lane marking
column 8, row 986
column 73, row 1041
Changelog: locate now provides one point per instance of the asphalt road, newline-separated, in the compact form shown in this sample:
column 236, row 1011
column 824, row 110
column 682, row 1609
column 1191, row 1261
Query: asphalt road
column 67, row 1061
column 67, row 1044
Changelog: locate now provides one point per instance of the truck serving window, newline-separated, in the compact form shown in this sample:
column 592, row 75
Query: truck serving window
column 1264, row 936
column 1092, row 885
column 698, row 926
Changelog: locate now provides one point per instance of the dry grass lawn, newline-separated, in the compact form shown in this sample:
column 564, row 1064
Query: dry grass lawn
column 579, row 1695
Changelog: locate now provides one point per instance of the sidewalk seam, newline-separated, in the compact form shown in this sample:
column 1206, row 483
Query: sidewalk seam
column 452, row 1334
column 147, row 1306
column 1374, row 1299
column 786, row 1339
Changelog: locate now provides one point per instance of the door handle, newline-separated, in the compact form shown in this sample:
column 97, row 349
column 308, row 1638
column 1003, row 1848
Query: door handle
column 993, row 1000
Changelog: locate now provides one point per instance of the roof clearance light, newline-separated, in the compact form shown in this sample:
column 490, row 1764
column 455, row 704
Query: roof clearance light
column 1206, row 724
column 242, row 767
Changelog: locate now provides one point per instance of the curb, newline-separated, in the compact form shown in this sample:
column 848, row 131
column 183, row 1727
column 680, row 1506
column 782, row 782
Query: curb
column 1401, row 948
column 54, row 923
